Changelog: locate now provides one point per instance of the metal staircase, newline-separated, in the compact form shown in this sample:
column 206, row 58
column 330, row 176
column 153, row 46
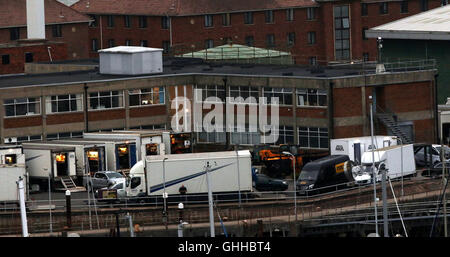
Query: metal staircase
column 70, row 185
column 388, row 119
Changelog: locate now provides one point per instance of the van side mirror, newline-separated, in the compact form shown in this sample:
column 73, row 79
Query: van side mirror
column 127, row 182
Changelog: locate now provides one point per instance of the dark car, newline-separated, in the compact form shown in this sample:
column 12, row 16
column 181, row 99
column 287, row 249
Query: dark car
column 265, row 183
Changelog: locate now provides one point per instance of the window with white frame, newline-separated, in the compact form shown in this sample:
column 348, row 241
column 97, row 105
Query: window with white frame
column 284, row 95
column 290, row 14
column 22, row 106
column 211, row 91
column 29, row 138
column 342, row 32
column 106, row 100
column 150, row 127
column 311, row 97
column 313, row 137
column 147, row 96
column 208, row 20
column 63, row 103
column 244, row 92
column 62, row 135
column 310, row 13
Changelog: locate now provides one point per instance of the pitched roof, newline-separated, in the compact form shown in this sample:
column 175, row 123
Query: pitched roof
column 13, row 13
column 183, row 7
column 430, row 25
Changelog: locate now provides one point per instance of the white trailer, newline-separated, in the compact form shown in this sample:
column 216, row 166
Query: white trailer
column 398, row 160
column 12, row 167
column 44, row 161
column 120, row 153
column 229, row 172
column 90, row 156
column 355, row 147
column 147, row 142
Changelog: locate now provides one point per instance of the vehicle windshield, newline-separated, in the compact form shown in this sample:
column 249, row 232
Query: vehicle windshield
column 114, row 175
column 446, row 149
column 308, row 174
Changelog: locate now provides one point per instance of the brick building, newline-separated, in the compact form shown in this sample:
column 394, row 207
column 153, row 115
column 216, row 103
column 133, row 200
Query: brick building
column 314, row 31
column 66, row 33
column 315, row 105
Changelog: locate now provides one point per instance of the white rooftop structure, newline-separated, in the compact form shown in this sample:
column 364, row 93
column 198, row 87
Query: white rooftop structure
column 131, row 60
column 430, row 25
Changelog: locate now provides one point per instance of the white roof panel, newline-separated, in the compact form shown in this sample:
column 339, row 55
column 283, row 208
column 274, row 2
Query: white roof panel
column 129, row 49
column 433, row 24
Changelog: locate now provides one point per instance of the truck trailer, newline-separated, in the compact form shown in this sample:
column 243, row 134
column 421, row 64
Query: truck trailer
column 90, row 156
column 120, row 154
column 49, row 161
column 230, row 172
column 147, row 142
column 398, row 160
column 355, row 147
column 12, row 167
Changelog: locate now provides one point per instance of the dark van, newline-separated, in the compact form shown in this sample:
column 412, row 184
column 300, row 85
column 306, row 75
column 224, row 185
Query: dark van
column 326, row 171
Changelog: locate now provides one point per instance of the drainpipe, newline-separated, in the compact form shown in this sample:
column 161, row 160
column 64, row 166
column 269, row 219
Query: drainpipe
column 436, row 109
column 330, row 113
column 86, row 104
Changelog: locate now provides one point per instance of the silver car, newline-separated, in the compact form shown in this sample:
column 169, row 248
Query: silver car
column 103, row 179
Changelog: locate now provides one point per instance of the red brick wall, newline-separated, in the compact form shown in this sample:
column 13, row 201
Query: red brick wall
column 404, row 98
column 320, row 113
column 40, row 54
column 53, row 119
column 148, row 111
column 28, row 121
column 74, row 35
column 348, row 131
column 347, row 102
column 107, row 115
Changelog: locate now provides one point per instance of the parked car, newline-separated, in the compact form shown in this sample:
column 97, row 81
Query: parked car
column 103, row 179
column 265, row 183
column 419, row 156
column 114, row 192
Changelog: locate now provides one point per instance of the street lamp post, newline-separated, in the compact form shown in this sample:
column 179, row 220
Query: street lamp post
column 373, row 166
column 164, row 193
column 295, row 185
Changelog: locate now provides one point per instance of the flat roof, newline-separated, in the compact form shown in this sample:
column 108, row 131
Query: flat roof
column 430, row 25
column 187, row 66
column 130, row 50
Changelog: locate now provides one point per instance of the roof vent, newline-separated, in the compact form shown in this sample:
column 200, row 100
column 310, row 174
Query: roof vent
column 131, row 60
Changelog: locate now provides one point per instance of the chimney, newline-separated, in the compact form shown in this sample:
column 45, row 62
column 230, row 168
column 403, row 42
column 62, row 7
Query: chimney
column 35, row 19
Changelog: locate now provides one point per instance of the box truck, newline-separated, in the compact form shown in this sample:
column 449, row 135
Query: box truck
column 54, row 161
column 229, row 172
column 12, row 167
column 398, row 160
column 355, row 147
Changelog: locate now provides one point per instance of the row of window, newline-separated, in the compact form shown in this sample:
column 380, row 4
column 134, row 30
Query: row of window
column 128, row 21
column 270, row 40
column 269, row 17
column 384, row 7
column 74, row 102
column 6, row 58
column 308, row 137
column 14, row 33
column 305, row 96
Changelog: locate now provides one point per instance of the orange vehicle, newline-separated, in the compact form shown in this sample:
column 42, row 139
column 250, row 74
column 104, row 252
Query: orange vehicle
column 279, row 164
